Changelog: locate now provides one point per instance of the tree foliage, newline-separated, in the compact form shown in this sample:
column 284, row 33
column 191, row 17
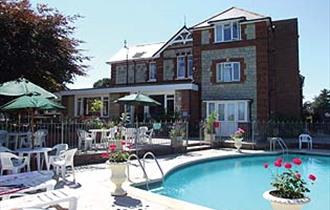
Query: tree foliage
column 105, row 82
column 38, row 44
column 319, row 107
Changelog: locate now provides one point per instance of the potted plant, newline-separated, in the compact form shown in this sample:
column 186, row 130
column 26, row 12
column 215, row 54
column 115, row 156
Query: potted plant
column 290, row 188
column 117, row 161
column 176, row 134
column 209, row 127
column 238, row 138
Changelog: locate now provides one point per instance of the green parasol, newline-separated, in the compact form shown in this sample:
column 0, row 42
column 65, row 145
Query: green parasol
column 22, row 86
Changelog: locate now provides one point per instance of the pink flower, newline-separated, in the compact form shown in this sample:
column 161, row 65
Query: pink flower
column 123, row 142
column 105, row 155
column 298, row 176
column 288, row 165
column 312, row 177
column 112, row 147
column 280, row 160
column 266, row 165
column 278, row 163
column 297, row 161
column 241, row 130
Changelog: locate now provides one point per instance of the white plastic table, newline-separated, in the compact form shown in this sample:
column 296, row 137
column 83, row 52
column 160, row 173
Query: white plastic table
column 38, row 151
column 30, row 180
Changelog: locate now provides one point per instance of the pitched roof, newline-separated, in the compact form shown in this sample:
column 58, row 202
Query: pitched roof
column 228, row 14
column 136, row 52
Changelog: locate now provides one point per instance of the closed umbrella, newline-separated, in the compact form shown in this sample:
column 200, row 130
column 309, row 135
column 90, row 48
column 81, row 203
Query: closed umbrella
column 31, row 103
column 22, row 86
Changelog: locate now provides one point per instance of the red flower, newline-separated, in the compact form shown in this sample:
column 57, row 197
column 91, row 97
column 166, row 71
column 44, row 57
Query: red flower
column 123, row 142
column 312, row 177
column 297, row 161
column 288, row 165
column 280, row 160
column 278, row 163
column 112, row 147
column 298, row 176
column 105, row 155
column 266, row 165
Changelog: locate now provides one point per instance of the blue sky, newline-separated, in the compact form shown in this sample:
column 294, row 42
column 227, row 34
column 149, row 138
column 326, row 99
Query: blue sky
column 106, row 24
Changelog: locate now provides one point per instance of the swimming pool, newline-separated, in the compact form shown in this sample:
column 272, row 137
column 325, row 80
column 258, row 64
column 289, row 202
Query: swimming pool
column 238, row 183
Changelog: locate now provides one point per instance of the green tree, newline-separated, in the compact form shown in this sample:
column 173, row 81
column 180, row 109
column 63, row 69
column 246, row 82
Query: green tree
column 105, row 82
column 321, row 105
column 38, row 44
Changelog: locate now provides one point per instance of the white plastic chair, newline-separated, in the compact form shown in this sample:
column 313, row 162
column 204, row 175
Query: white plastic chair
column 40, row 138
column 11, row 162
column 130, row 135
column 305, row 138
column 3, row 137
column 63, row 161
column 84, row 139
column 56, row 151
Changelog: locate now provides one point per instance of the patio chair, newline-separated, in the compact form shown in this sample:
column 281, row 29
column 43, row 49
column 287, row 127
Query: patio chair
column 3, row 137
column 26, row 141
column 305, row 138
column 40, row 138
column 11, row 162
column 130, row 135
column 85, row 139
column 145, row 134
column 55, row 153
column 63, row 161
column 42, row 200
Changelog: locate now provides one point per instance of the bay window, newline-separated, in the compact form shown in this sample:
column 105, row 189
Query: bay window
column 229, row 111
column 190, row 66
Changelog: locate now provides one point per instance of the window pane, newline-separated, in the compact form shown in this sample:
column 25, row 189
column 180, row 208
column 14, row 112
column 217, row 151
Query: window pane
column 230, row 112
column 235, row 30
column 211, row 108
column 105, row 106
column 190, row 66
column 219, row 33
column 227, row 73
column 227, row 32
column 181, row 67
column 241, row 111
column 152, row 71
column 221, row 112
column 236, row 71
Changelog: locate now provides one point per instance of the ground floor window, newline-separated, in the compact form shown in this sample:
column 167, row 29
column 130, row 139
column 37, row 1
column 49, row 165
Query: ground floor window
column 230, row 111
column 105, row 107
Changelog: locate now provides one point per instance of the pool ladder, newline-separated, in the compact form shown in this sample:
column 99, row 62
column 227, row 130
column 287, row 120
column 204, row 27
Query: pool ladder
column 280, row 142
column 143, row 166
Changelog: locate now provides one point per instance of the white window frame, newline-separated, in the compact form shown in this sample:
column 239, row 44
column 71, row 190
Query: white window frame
column 150, row 73
column 190, row 65
column 222, row 31
column 177, row 67
column 225, row 103
column 220, row 68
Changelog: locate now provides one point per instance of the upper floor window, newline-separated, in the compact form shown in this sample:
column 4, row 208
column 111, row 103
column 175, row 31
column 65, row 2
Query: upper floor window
column 190, row 66
column 228, row 72
column 152, row 71
column 227, row 32
column 181, row 67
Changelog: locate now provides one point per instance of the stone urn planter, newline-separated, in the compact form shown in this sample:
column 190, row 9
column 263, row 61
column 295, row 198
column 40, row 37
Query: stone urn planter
column 278, row 203
column 118, row 177
column 177, row 141
column 238, row 143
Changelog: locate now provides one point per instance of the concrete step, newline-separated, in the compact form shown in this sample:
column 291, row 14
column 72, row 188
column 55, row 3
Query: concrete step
column 199, row 143
column 198, row 148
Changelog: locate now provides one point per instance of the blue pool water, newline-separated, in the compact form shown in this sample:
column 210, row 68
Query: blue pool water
column 238, row 183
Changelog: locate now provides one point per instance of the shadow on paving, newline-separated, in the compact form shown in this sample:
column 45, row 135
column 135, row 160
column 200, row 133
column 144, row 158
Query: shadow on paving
column 127, row 202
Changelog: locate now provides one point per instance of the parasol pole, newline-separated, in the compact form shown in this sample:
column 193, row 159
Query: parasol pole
column 32, row 127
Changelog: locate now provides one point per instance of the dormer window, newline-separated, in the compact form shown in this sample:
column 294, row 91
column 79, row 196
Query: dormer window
column 226, row 32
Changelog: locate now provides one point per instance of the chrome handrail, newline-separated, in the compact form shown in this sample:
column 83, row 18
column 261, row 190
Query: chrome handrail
column 142, row 167
column 280, row 142
column 153, row 157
